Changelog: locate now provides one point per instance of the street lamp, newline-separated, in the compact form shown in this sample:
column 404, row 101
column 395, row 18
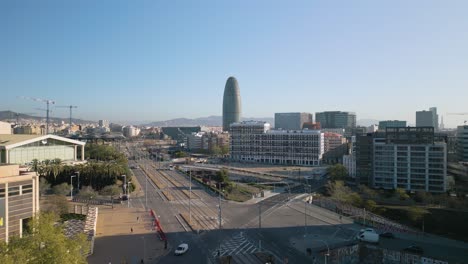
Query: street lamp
column 71, row 186
column 125, row 184
column 328, row 249
column 190, row 197
column 78, row 173
column 128, row 198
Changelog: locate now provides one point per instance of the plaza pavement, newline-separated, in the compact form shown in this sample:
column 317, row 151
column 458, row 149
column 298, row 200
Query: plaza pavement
column 116, row 243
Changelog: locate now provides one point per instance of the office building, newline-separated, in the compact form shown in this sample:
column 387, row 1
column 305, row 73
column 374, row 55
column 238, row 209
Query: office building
column 391, row 123
column 428, row 118
column 336, row 119
column 410, row 158
column 292, row 121
column 254, row 141
column 194, row 141
column 22, row 149
column 462, row 143
column 19, row 200
column 231, row 103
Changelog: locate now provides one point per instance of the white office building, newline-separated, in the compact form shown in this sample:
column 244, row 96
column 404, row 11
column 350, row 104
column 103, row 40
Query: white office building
column 254, row 141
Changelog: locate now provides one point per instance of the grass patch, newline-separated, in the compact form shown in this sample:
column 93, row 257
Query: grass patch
column 260, row 186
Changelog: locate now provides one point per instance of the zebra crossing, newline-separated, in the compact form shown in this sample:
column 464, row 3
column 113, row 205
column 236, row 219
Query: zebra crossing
column 236, row 245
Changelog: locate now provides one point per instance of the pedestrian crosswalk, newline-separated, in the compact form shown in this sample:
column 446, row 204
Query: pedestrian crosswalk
column 236, row 245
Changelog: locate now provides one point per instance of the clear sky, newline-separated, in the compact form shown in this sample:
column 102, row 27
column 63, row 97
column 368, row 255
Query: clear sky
column 157, row 60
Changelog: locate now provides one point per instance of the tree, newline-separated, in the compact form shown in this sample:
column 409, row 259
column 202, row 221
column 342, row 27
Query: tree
column 180, row 154
column 87, row 192
column 61, row 189
column 57, row 204
column 222, row 176
column 367, row 191
column 44, row 242
column 224, row 150
column 370, row 205
column 215, row 150
column 401, row 194
column 416, row 213
column 111, row 190
column 337, row 172
column 44, row 186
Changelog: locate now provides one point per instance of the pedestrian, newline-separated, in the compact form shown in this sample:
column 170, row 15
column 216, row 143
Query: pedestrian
column 138, row 219
column 131, row 229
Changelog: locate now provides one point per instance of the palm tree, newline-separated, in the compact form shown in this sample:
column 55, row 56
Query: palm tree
column 35, row 165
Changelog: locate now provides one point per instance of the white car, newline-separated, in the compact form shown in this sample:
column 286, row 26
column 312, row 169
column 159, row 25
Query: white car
column 181, row 249
column 367, row 230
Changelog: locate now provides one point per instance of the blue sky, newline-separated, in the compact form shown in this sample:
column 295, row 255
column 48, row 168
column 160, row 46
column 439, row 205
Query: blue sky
column 157, row 60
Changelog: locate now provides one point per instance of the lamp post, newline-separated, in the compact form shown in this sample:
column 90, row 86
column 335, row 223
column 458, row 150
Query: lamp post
column 328, row 249
column 78, row 173
column 71, row 186
column 128, row 197
column 125, row 184
column 190, row 197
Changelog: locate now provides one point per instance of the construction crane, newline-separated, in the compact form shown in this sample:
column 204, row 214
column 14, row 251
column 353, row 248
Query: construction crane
column 47, row 101
column 70, row 107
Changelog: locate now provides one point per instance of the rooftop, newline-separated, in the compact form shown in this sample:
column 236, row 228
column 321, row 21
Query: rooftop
column 9, row 141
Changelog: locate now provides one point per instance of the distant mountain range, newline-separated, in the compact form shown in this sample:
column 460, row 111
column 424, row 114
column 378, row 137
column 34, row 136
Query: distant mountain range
column 203, row 121
column 10, row 115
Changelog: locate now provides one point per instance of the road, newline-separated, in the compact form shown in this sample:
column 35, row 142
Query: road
column 287, row 225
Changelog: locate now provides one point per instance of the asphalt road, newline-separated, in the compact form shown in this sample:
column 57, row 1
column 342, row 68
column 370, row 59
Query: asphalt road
column 283, row 222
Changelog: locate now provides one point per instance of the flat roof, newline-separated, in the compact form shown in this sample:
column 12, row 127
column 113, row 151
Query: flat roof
column 9, row 141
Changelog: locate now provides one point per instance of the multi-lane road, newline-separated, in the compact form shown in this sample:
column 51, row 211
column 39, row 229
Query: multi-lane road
column 282, row 225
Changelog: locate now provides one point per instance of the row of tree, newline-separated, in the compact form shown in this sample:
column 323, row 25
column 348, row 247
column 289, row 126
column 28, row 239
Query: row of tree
column 106, row 165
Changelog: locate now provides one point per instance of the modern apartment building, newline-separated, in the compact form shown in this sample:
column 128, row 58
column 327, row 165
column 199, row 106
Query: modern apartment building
column 254, row 141
column 336, row 119
column 19, row 200
column 411, row 159
column 462, row 143
column 391, row 123
column 292, row 121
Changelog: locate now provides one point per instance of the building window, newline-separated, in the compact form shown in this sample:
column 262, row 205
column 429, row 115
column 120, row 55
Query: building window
column 2, row 192
column 26, row 189
column 12, row 191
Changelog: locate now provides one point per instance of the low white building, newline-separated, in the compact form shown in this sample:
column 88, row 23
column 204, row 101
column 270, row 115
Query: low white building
column 253, row 141
column 349, row 161
column 131, row 131
column 22, row 149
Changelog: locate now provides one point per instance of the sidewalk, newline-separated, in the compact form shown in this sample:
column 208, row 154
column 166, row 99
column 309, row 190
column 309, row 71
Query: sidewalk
column 121, row 238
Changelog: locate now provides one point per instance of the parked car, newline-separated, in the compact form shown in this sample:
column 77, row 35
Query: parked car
column 387, row 235
column 181, row 249
column 414, row 249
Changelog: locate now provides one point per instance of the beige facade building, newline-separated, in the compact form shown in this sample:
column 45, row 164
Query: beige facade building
column 5, row 128
column 19, row 200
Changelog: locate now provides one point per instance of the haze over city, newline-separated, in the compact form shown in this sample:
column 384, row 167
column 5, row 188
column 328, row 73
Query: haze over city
column 155, row 61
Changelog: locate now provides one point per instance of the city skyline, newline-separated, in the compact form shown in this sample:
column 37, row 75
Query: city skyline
column 141, row 62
